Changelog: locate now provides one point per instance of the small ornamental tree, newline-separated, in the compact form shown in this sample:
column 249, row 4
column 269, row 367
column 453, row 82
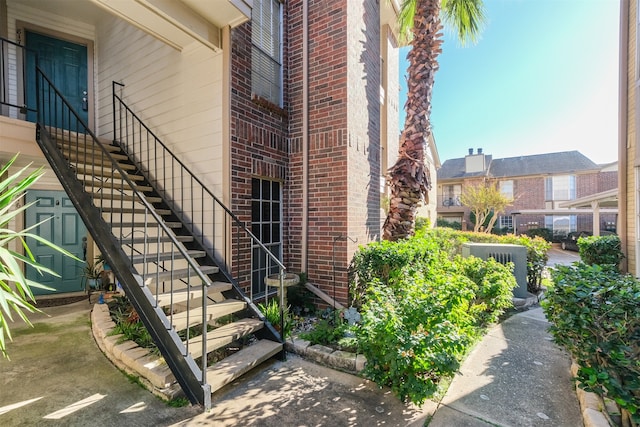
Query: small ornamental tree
column 486, row 203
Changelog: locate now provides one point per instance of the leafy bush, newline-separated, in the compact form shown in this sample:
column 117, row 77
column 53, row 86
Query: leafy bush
column 537, row 249
column 494, row 285
column 600, row 250
column 422, row 310
column 545, row 233
column 595, row 315
column 456, row 225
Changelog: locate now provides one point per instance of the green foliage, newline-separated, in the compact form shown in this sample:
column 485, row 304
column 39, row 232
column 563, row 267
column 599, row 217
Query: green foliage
column 537, row 249
column 456, row 225
column 128, row 323
column 178, row 402
column 595, row 315
column 16, row 296
column 271, row 311
column 493, row 291
column 422, row 309
column 422, row 223
column 545, row 233
column 329, row 332
column 600, row 250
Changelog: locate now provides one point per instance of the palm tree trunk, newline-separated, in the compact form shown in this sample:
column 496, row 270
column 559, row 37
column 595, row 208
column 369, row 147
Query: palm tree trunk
column 409, row 177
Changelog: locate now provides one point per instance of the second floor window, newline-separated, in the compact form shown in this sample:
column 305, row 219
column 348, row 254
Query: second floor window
column 266, row 52
column 561, row 187
column 506, row 188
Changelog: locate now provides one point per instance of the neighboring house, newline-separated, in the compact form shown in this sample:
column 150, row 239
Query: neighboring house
column 538, row 184
column 278, row 116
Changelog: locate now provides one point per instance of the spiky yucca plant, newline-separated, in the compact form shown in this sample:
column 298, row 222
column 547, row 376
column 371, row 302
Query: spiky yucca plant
column 16, row 296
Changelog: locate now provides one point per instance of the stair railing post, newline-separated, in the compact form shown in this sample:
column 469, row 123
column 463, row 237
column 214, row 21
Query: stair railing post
column 282, row 311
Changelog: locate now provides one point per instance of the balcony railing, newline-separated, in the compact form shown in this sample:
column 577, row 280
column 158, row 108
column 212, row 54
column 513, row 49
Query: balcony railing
column 449, row 201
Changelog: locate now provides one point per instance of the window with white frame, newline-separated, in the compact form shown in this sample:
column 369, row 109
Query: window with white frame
column 505, row 221
column 266, row 52
column 506, row 189
column 562, row 187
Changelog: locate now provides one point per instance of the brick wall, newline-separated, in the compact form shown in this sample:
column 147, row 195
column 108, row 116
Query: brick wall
column 258, row 144
column 344, row 136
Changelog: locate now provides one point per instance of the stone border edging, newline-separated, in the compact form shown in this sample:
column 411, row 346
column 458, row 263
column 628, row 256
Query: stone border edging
column 151, row 370
column 342, row 360
column 591, row 405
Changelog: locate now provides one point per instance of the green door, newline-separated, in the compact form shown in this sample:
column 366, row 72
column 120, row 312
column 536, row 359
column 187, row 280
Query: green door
column 65, row 229
column 65, row 64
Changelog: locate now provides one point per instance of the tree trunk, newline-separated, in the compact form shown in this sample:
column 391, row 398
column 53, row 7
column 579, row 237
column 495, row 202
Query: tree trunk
column 409, row 177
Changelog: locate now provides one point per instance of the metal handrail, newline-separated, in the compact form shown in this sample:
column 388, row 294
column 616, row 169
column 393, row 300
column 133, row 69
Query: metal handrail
column 128, row 131
column 6, row 83
column 191, row 175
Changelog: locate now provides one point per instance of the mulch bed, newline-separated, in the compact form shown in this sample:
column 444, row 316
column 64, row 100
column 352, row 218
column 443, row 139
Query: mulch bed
column 54, row 302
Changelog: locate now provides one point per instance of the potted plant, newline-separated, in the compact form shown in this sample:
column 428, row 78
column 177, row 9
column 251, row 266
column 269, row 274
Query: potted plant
column 92, row 273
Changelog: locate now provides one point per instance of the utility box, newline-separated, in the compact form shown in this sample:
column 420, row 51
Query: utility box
column 503, row 254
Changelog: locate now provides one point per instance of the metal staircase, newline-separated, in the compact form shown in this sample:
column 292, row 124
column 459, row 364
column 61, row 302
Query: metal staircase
column 152, row 229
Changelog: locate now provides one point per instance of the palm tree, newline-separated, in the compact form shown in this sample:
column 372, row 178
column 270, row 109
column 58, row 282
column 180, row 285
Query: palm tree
column 420, row 20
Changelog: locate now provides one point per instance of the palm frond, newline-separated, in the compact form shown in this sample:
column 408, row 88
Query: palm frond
column 465, row 17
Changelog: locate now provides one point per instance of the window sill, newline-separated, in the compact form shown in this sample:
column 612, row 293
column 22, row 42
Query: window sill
column 269, row 106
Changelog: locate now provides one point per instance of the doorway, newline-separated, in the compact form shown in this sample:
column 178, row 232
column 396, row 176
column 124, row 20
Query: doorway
column 65, row 63
column 63, row 228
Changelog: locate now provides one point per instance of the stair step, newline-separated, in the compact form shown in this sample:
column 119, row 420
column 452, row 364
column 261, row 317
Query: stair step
column 104, row 163
column 123, row 197
column 224, row 335
column 80, row 138
column 117, row 209
column 89, row 182
column 149, row 240
column 170, row 224
column 105, row 172
column 232, row 367
column 165, row 299
column 139, row 259
column 186, row 319
column 87, row 153
column 182, row 273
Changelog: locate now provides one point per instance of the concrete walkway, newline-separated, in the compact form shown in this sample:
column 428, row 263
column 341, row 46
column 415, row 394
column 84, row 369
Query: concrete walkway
column 516, row 376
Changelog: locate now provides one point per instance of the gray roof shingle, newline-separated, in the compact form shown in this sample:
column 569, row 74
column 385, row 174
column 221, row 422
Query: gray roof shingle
column 565, row 162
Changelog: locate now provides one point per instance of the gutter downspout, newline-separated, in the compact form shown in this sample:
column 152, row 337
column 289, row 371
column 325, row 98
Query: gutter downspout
column 623, row 108
column 305, row 135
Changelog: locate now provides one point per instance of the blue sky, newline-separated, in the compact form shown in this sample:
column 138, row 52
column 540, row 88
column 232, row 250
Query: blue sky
column 542, row 78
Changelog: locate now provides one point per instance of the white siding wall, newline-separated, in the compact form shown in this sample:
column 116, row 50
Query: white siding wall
column 177, row 94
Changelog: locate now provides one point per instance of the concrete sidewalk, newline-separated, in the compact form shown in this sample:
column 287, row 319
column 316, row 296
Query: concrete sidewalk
column 516, row 376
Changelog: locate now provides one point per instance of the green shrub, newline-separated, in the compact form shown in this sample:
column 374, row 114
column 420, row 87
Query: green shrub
column 422, row 310
column 537, row 248
column 600, row 250
column 595, row 315
column 493, row 293
column 456, row 225
column 545, row 233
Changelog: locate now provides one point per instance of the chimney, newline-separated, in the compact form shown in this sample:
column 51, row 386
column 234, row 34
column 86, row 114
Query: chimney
column 475, row 163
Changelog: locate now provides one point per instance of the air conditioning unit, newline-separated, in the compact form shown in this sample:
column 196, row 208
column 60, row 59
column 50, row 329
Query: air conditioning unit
column 503, row 254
